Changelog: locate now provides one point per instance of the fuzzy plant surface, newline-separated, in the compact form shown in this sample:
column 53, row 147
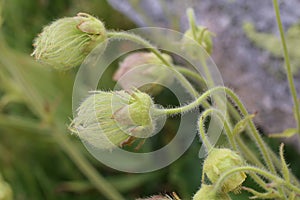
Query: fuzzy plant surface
column 272, row 44
column 109, row 120
column 243, row 162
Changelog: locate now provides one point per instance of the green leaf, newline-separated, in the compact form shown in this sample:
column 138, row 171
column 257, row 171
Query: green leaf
column 285, row 134
column 285, row 170
column 242, row 124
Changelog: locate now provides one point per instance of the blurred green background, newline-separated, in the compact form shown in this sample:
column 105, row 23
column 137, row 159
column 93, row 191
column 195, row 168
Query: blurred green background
column 38, row 156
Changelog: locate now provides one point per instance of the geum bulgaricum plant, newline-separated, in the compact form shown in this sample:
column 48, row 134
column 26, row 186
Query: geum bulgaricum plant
column 112, row 119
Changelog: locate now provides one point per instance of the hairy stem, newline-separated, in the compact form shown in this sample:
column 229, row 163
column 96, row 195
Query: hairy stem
column 86, row 168
column 288, row 66
column 222, row 119
column 233, row 96
column 139, row 40
column 262, row 172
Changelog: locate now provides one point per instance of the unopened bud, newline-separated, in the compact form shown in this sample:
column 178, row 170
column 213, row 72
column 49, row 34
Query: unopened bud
column 206, row 192
column 218, row 162
column 110, row 119
column 66, row 42
column 202, row 36
column 151, row 72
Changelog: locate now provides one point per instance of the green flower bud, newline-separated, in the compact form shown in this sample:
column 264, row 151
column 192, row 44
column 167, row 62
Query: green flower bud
column 66, row 42
column 218, row 162
column 203, row 37
column 109, row 119
column 5, row 191
column 151, row 74
column 206, row 193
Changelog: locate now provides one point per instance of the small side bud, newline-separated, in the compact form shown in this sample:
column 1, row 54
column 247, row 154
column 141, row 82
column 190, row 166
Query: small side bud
column 218, row 162
column 110, row 119
column 206, row 192
column 202, row 36
column 151, row 74
column 66, row 42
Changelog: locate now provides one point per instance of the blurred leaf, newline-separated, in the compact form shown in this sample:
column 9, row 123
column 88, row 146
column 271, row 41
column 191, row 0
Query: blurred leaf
column 285, row 134
column 242, row 124
column 272, row 43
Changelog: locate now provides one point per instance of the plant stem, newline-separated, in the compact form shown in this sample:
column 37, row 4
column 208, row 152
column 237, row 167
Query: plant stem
column 228, row 131
column 86, row 168
column 233, row 96
column 288, row 66
column 139, row 40
column 193, row 75
column 193, row 26
column 256, row 135
column 262, row 172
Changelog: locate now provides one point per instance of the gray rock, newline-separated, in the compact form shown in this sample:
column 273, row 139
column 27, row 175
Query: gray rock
column 244, row 67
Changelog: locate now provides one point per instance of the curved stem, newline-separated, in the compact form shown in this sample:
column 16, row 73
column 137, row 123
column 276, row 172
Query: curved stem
column 227, row 128
column 86, row 168
column 262, row 172
column 139, row 40
column 288, row 66
column 234, row 97
column 192, row 22
column 192, row 74
column 255, row 133
column 232, row 142
column 192, row 105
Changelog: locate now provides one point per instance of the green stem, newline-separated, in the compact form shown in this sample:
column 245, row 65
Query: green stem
column 192, row 21
column 230, row 137
column 197, row 102
column 265, row 173
column 139, row 40
column 227, row 128
column 255, row 134
column 288, row 66
column 233, row 96
column 249, row 155
column 86, row 168
column 277, row 163
column 202, row 84
column 193, row 75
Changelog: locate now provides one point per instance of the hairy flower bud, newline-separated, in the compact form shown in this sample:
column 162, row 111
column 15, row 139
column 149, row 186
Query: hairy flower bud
column 218, row 162
column 5, row 191
column 109, row 119
column 151, row 74
column 206, row 192
column 203, row 37
column 67, row 41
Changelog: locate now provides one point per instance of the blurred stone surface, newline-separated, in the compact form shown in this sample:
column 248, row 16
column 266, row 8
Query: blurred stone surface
column 253, row 73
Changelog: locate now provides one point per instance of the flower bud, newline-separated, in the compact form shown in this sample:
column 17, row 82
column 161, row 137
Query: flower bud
column 150, row 74
column 203, row 37
column 109, row 119
column 5, row 191
column 218, row 162
column 67, row 41
column 206, row 192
